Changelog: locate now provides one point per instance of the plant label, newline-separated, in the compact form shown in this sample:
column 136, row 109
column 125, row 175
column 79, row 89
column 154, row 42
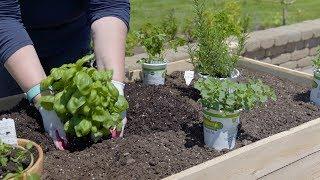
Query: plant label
column 188, row 77
column 8, row 131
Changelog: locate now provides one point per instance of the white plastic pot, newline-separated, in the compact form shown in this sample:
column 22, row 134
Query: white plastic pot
column 154, row 73
column 315, row 91
column 234, row 76
column 220, row 129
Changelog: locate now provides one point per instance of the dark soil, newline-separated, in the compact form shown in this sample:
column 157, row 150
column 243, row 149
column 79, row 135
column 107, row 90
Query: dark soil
column 164, row 133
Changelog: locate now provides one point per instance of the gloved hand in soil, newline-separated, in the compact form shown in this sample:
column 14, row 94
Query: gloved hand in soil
column 51, row 122
column 54, row 127
column 114, row 133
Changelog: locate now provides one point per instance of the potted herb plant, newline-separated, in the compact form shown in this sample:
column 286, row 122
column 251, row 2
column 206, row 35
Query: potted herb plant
column 85, row 100
column 315, row 91
column 153, row 39
column 222, row 108
column 213, row 32
column 22, row 162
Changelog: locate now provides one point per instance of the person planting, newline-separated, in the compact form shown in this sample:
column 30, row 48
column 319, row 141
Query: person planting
column 85, row 100
column 36, row 36
column 221, row 107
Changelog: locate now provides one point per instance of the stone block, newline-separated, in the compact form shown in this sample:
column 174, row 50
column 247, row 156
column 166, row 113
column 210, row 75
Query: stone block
column 252, row 45
column 290, row 64
column 304, row 62
column 314, row 42
column 266, row 60
column 275, row 51
column 313, row 51
column 300, row 45
column 299, row 54
column 258, row 55
column 280, row 59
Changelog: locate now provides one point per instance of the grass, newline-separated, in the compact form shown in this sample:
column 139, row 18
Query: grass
column 263, row 13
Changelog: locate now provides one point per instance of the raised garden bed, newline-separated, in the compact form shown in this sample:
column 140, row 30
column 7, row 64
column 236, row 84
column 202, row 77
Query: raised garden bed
column 164, row 133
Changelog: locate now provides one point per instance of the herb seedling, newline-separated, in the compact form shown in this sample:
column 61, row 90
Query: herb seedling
column 84, row 98
column 13, row 160
column 216, row 95
column 213, row 31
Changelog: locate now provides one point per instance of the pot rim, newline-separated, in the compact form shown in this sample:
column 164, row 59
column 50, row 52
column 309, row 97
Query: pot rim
column 234, row 74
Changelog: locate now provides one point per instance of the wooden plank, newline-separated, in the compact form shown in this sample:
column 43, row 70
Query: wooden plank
column 303, row 169
column 11, row 101
column 301, row 78
column 260, row 158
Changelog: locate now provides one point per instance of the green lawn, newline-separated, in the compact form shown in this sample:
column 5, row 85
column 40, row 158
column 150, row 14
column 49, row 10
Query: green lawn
column 264, row 13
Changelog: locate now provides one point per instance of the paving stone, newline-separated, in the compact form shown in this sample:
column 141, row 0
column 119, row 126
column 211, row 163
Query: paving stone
column 304, row 62
column 258, row 55
column 290, row 64
column 282, row 58
column 266, row 60
column 275, row 51
column 299, row 54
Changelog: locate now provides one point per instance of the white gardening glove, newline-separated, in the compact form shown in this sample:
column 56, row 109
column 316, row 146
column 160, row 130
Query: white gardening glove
column 54, row 127
column 120, row 86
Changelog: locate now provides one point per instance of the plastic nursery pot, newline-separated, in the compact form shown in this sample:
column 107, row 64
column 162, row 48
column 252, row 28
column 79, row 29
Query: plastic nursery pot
column 234, row 75
column 220, row 129
column 154, row 73
column 36, row 165
column 315, row 91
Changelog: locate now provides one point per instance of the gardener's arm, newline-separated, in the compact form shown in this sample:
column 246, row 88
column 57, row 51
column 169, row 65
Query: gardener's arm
column 110, row 22
column 18, row 55
column 16, row 50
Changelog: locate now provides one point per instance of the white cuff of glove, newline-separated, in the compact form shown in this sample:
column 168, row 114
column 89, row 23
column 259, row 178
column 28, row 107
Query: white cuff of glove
column 120, row 86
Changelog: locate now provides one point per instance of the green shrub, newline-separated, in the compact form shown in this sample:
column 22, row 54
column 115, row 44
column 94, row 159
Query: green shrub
column 213, row 32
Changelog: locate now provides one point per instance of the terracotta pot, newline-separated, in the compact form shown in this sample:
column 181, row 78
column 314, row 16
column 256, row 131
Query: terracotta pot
column 36, row 165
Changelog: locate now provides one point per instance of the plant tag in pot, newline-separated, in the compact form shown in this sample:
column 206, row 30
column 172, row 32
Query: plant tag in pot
column 8, row 131
column 188, row 76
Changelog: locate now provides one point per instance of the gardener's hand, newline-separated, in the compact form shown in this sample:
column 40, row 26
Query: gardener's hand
column 54, row 127
column 114, row 133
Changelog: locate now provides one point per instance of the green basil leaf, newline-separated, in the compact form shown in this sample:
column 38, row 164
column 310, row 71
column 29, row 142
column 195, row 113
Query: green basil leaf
column 99, row 114
column 47, row 102
column 75, row 102
column 46, row 83
column 103, row 76
column 83, row 82
column 121, row 105
column 83, row 128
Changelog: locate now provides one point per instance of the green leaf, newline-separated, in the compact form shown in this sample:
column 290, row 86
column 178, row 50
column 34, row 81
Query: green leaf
column 75, row 102
column 56, row 73
column 59, row 104
column 99, row 114
column 85, row 59
column 46, row 83
column 47, row 102
column 121, row 105
column 83, row 82
column 103, row 76
column 113, row 91
column 29, row 145
column 83, row 128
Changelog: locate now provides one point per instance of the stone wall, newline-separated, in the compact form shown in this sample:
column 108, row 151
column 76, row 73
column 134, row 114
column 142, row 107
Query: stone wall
column 293, row 46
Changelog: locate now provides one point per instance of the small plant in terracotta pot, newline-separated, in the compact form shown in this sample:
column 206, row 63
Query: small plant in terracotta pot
column 24, row 161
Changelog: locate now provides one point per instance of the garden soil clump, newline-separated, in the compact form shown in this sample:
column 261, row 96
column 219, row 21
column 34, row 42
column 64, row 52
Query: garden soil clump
column 164, row 133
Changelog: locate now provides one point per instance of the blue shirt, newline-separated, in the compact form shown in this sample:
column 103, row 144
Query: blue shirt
column 53, row 26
